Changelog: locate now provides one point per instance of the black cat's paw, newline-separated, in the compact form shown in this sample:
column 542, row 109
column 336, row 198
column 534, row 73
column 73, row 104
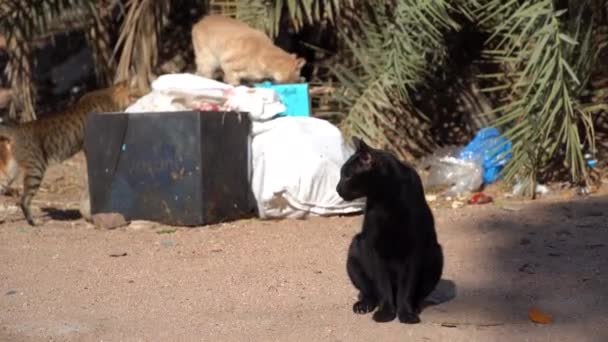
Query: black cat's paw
column 409, row 318
column 384, row 315
column 364, row 306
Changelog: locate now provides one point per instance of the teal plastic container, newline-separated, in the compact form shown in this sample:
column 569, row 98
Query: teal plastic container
column 295, row 97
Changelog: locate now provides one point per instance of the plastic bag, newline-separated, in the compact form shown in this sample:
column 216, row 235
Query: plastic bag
column 296, row 168
column 490, row 150
column 445, row 169
column 177, row 92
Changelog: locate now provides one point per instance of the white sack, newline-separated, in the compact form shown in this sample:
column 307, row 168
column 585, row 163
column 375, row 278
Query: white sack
column 296, row 168
column 178, row 92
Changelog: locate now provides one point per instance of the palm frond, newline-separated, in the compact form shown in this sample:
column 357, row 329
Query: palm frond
column 267, row 15
column 138, row 41
column 395, row 47
column 21, row 22
column 547, row 61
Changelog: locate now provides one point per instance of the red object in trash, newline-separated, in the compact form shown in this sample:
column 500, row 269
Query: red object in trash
column 480, row 198
column 206, row 107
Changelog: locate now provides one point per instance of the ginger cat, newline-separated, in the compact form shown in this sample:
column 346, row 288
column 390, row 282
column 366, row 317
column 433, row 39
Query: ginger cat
column 241, row 52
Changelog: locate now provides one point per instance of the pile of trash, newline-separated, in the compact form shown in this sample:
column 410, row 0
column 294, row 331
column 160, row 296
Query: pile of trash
column 296, row 160
column 467, row 169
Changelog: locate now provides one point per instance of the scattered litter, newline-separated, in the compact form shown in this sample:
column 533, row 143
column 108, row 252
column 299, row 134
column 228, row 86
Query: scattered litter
column 542, row 189
column 467, row 169
column 447, row 170
column 480, row 198
column 116, row 255
column 520, row 186
column 583, row 191
column 490, row 150
column 457, row 204
column 457, row 324
column 538, row 316
column 430, row 198
column 591, row 162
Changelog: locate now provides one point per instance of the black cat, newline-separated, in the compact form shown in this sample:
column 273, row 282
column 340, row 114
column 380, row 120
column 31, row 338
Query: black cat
column 395, row 261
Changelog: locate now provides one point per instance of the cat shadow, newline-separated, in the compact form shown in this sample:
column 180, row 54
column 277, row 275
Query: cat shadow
column 61, row 214
column 444, row 292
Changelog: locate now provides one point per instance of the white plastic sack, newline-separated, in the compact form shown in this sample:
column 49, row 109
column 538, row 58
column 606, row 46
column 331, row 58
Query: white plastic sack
column 296, row 168
column 189, row 83
column 177, row 92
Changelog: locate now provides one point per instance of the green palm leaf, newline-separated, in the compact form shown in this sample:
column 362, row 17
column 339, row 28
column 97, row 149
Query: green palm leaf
column 549, row 58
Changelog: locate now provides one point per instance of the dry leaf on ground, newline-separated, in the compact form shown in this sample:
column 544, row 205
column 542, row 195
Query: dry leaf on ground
column 538, row 316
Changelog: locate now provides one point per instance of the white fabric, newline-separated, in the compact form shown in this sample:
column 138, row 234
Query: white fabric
column 296, row 168
column 176, row 92
column 296, row 160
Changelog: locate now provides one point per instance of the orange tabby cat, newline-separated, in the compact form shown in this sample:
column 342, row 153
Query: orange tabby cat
column 241, row 52
column 35, row 145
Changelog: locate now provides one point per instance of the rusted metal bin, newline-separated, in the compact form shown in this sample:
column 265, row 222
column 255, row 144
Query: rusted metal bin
column 179, row 168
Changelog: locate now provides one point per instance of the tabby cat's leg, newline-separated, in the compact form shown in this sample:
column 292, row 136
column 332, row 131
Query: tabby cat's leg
column 32, row 179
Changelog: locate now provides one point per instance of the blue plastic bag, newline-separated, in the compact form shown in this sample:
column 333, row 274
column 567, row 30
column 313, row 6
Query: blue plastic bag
column 490, row 150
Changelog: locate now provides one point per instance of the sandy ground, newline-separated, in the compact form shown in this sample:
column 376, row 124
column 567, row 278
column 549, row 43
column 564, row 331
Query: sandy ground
column 286, row 280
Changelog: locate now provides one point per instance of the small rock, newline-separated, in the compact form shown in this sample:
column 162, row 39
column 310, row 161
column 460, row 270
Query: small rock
column 109, row 220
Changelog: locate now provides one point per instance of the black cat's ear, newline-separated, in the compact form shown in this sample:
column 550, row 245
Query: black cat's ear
column 363, row 150
column 360, row 144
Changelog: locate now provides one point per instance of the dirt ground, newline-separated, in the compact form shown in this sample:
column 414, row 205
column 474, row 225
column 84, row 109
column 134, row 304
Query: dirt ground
column 285, row 280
